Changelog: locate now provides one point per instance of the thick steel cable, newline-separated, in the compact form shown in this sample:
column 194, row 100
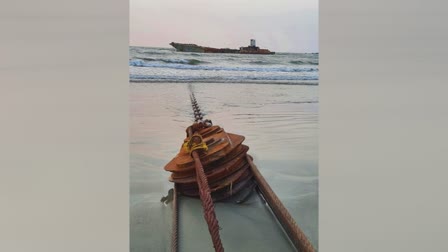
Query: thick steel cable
column 288, row 223
column 174, row 234
column 207, row 204
column 204, row 189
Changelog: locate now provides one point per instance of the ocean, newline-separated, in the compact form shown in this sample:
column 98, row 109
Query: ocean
column 167, row 65
column 273, row 104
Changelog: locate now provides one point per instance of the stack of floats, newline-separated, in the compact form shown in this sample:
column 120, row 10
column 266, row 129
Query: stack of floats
column 224, row 161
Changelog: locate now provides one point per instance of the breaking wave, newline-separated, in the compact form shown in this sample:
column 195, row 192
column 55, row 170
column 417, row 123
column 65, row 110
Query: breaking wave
column 303, row 62
column 188, row 65
column 260, row 62
column 175, row 61
column 305, row 80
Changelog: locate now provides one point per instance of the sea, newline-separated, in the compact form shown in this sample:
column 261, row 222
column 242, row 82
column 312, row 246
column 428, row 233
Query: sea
column 272, row 100
column 167, row 65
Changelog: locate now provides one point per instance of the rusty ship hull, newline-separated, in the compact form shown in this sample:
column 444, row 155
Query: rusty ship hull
column 252, row 49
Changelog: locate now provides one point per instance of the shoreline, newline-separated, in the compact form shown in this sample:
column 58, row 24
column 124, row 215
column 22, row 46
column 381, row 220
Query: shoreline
column 303, row 83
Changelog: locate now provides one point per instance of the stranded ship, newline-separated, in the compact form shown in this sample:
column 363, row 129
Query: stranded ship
column 251, row 49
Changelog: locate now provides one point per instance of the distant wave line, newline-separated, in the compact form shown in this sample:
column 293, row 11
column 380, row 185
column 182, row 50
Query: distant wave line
column 299, row 83
column 141, row 63
column 228, row 78
column 174, row 61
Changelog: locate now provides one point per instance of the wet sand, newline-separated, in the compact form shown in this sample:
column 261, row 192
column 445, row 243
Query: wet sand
column 280, row 126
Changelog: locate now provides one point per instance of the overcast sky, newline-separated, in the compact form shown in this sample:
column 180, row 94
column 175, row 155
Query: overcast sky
column 278, row 25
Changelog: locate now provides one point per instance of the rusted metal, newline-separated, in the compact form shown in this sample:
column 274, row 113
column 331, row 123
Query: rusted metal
column 205, row 196
column 231, row 193
column 223, row 163
column 288, row 223
column 175, row 231
column 207, row 204
column 183, row 162
column 251, row 49
column 226, row 163
column 224, row 183
column 236, row 163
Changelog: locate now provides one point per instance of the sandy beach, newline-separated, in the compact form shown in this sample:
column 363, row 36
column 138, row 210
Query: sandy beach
column 280, row 125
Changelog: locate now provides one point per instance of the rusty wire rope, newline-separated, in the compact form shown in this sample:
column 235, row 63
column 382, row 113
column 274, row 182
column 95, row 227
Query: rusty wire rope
column 204, row 189
column 288, row 223
column 174, row 234
column 204, row 192
column 207, row 204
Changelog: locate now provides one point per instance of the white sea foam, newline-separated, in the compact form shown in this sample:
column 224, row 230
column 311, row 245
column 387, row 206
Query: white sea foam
column 142, row 63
